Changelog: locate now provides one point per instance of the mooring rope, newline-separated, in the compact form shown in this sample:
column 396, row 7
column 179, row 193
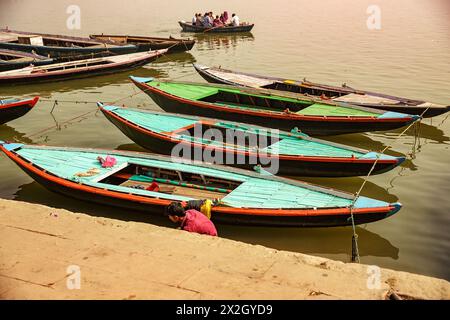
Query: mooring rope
column 355, row 248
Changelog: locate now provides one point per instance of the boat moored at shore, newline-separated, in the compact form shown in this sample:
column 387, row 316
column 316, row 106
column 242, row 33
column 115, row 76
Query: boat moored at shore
column 149, row 183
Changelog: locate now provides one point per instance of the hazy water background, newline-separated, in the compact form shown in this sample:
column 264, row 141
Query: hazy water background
column 324, row 41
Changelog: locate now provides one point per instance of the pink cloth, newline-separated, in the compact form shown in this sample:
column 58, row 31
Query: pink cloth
column 109, row 162
column 196, row 221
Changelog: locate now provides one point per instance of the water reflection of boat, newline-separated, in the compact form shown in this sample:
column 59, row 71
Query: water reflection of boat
column 213, row 41
column 364, row 141
column 9, row 133
column 323, row 242
column 179, row 57
column 46, row 90
column 425, row 131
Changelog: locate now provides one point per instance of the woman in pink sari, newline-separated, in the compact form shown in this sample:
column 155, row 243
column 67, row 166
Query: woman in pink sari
column 225, row 17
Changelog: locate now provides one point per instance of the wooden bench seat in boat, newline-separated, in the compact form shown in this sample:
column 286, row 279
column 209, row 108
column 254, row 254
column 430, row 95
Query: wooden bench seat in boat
column 179, row 190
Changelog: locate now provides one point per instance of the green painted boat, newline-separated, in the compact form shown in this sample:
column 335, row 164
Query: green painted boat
column 244, row 145
column 269, row 108
column 246, row 197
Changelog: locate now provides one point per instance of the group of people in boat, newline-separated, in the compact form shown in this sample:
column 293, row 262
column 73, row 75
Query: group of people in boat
column 207, row 20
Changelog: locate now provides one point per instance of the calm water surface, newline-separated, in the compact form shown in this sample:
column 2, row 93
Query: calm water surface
column 324, row 41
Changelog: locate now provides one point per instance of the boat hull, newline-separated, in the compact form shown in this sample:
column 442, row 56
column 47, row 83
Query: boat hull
column 289, row 166
column 327, row 218
column 16, row 110
column 229, row 29
column 173, row 45
column 65, row 53
column 316, row 126
column 424, row 111
column 10, row 60
column 281, row 221
column 76, row 73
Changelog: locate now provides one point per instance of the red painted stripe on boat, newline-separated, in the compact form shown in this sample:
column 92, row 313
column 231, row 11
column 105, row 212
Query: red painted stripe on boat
column 30, row 102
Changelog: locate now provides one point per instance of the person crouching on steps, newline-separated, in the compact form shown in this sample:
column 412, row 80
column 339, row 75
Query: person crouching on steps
column 190, row 219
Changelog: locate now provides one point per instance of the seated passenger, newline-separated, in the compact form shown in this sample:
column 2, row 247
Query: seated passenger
column 206, row 22
column 217, row 22
column 199, row 21
column 234, row 20
column 225, row 17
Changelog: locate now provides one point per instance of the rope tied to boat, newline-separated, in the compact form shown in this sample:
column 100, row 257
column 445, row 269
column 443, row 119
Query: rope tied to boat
column 54, row 105
column 355, row 249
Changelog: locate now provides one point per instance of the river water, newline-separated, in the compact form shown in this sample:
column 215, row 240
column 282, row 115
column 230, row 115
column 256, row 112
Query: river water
column 325, row 41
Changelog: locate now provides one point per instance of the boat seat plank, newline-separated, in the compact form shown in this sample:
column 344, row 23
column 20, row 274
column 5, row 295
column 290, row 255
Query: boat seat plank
column 317, row 109
column 364, row 99
column 177, row 190
column 240, row 78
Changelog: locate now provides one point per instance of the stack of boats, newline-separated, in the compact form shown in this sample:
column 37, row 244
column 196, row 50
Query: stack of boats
column 36, row 57
column 258, row 126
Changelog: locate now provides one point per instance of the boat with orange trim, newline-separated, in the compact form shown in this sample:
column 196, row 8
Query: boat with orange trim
column 149, row 182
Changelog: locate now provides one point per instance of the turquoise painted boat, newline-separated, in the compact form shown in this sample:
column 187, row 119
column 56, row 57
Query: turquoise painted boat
column 246, row 197
column 269, row 108
column 244, row 145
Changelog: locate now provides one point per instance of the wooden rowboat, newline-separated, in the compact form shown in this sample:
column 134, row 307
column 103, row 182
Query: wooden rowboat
column 339, row 94
column 269, row 108
column 246, row 197
column 244, row 145
column 60, row 47
column 11, row 109
column 189, row 27
column 10, row 59
column 79, row 68
column 148, row 43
